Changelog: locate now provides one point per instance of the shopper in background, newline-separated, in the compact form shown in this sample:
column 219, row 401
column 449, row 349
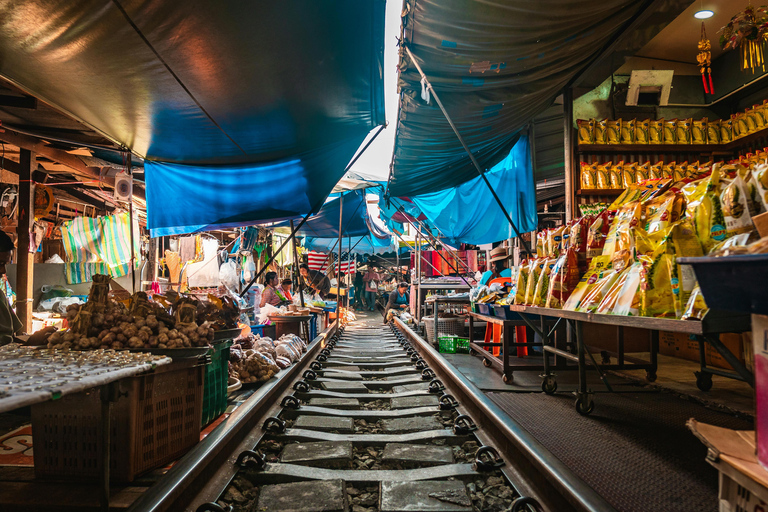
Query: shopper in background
column 270, row 295
column 498, row 262
column 371, row 280
column 398, row 300
column 359, row 291
column 315, row 280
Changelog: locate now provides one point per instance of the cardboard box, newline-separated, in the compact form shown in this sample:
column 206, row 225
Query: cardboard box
column 761, row 223
column 686, row 347
column 743, row 481
column 734, row 343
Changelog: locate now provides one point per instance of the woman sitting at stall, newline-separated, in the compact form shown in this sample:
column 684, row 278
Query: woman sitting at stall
column 270, row 295
column 498, row 259
column 284, row 292
column 398, row 301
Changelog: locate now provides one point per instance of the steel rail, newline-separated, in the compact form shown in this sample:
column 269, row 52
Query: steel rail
column 531, row 467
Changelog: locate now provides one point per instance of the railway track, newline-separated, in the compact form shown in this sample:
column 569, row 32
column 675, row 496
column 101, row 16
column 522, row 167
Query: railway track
column 371, row 420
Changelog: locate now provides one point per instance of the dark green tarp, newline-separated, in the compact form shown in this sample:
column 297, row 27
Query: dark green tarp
column 495, row 66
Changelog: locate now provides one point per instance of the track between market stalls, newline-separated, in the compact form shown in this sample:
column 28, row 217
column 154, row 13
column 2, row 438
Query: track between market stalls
column 375, row 420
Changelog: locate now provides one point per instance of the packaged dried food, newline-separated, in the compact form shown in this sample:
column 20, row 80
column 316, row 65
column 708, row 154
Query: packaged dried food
column 615, row 175
column 586, row 128
column 588, row 175
column 699, row 131
column 642, row 128
column 534, row 271
column 542, row 284
column 624, row 298
column 613, row 131
column 563, row 279
column 696, row 308
column 597, row 267
column 684, row 132
column 601, row 127
column 737, row 208
column 713, row 131
column 602, row 176
column 255, row 367
column 522, row 282
column 657, row 171
column 726, row 131
column 670, row 131
column 656, row 131
column 628, row 127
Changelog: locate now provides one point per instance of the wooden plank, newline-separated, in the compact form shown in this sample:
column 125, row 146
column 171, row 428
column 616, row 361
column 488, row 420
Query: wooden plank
column 25, row 258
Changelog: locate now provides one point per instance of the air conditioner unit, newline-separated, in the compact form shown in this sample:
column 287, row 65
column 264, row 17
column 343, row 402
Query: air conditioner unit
column 123, row 187
column 649, row 88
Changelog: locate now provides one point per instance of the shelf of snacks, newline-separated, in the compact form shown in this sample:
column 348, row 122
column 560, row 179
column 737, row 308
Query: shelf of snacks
column 600, row 192
column 654, row 148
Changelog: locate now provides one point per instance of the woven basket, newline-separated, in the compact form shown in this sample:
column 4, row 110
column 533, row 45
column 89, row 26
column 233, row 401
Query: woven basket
column 445, row 326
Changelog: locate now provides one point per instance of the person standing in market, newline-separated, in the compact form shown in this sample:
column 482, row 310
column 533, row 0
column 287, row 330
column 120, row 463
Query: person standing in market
column 399, row 300
column 498, row 262
column 315, row 280
column 358, row 291
column 371, row 280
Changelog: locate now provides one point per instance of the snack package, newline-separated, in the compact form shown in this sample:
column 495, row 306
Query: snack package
column 684, row 243
column 597, row 233
column 760, row 182
column 642, row 172
column 668, row 170
column 628, row 131
column 627, row 217
column 595, row 294
column 642, row 128
column 586, row 129
column 657, row 171
column 670, row 131
column 542, row 284
column 578, row 240
column 726, row 131
column 658, row 282
column 624, row 297
column 613, row 131
column 699, row 131
column 615, row 175
column 751, row 119
column 696, row 308
column 541, row 244
column 521, row 282
column 602, row 176
column 662, row 211
column 594, row 273
column 737, row 209
column 704, row 209
column 684, row 133
column 563, row 279
column 588, row 175
column 656, row 132
column 759, row 111
column 740, row 127
column 713, row 131
column 627, row 175
column 680, row 171
column 555, row 241
column 534, row 271
column 601, row 127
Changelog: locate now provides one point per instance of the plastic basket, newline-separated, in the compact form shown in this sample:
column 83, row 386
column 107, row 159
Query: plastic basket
column 453, row 345
column 502, row 311
column 215, row 387
column 733, row 283
column 155, row 421
column 445, row 326
column 484, row 309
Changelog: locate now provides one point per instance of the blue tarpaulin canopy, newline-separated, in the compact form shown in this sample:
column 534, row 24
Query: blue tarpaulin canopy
column 242, row 112
column 368, row 244
column 325, row 223
column 469, row 214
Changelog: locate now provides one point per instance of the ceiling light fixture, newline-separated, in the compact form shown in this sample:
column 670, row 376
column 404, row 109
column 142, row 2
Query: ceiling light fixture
column 704, row 14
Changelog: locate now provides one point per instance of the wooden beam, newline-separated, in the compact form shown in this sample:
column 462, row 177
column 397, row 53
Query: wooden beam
column 25, row 258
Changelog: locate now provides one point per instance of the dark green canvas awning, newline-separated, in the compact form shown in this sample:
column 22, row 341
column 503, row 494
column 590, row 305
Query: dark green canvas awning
column 495, row 66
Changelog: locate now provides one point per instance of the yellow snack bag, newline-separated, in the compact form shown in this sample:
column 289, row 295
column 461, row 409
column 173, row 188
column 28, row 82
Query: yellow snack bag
column 699, row 131
column 521, row 282
column 680, row 171
column 760, row 182
column 668, row 170
column 751, row 120
column 695, row 307
column 656, row 132
column 684, row 134
column 594, row 295
column 534, row 271
column 597, row 267
column 713, row 131
column 684, row 244
column 737, row 209
column 588, row 175
column 627, row 176
column 662, row 211
column 628, row 128
column 642, row 172
column 613, row 131
column 603, row 176
column 542, row 285
column 616, row 175
column 658, row 272
column 541, row 245
column 642, row 131
column 601, row 127
column 586, row 128
column 726, row 131
column 555, row 241
column 623, row 298
column 740, row 126
column 670, row 131
column 628, row 216
column 760, row 121
column 657, row 171
column 705, row 210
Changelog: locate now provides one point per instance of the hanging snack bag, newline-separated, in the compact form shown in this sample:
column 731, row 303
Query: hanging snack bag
column 615, row 175
column 670, row 131
column 656, row 132
column 726, row 131
column 563, row 279
column 642, row 135
column 542, row 285
column 737, row 209
column 588, row 175
column 534, row 271
column 628, row 128
column 613, row 131
column 586, row 131
column 699, row 131
column 684, row 132
column 603, row 176
column 522, row 282
column 597, row 267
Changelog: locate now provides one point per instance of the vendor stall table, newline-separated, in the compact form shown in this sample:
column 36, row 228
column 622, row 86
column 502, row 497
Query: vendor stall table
column 293, row 324
column 706, row 330
column 435, row 286
column 502, row 362
column 29, row 377
column 437, row 300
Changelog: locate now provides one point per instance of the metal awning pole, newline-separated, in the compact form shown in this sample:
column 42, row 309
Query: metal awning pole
column 367, row 145
column 338, row 272
column 271, row 258
column 296, row 274
column 466, row 148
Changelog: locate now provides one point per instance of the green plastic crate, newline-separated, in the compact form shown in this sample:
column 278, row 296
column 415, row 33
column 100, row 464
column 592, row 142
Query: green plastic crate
column 215, row 383
column 453, row 345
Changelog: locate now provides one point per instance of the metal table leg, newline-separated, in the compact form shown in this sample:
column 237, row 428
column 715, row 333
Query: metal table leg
column 584, row 403
column 436, row 306
column 506, row 334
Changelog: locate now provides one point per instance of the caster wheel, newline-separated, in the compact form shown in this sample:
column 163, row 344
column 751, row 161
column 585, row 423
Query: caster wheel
column 472, row 352
column 487, row 363
column 703, row 381
column 507, row 379
column 605, row 358
column 650, row 376
column 585, row 405
column 549, row 385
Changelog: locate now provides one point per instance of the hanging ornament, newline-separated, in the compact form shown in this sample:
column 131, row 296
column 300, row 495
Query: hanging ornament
column 704, row 59
column 748, row 31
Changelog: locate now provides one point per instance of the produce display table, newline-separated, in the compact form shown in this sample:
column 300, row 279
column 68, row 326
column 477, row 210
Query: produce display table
column 29, row 377
column 292, row 324
column 503, row 362
column 705, row 331
column 439, row 299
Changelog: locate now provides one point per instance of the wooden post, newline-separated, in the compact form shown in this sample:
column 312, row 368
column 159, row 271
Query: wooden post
column 25, row 258
column 570, row 196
